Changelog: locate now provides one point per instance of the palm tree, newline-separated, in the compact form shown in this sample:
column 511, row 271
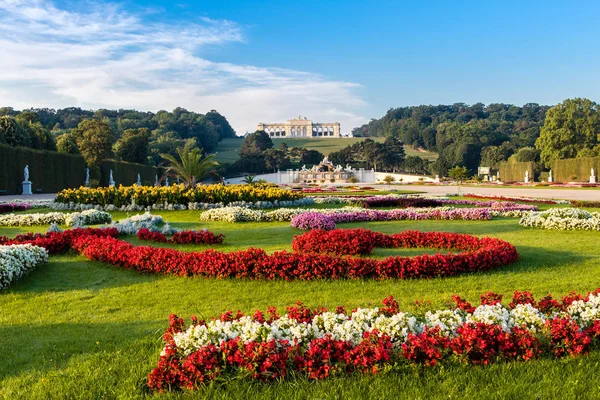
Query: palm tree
column 191, row 167
column 249, row 179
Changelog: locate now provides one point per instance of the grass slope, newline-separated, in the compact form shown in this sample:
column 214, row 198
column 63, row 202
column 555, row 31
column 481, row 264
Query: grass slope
column 82, row 329
column 228, row 149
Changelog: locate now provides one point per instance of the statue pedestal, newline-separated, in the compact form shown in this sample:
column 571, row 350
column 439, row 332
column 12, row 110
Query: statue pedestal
column 593, row 179
column 26, row 187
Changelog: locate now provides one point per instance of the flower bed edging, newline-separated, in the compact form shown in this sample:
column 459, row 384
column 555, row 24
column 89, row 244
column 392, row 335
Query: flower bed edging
column 318, row 343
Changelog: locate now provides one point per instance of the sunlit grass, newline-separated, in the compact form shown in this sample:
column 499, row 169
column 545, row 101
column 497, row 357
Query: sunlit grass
column 81, row 329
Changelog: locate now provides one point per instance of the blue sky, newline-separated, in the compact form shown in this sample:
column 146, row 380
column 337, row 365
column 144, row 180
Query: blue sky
column 345, row 61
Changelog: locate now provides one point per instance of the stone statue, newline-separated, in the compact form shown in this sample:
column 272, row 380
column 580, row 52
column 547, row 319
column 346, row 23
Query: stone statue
column 167, row 181
column 326, row 160
column 139, row 181
column 156, row 181
column 338, row 169
column 87, row 177
column 526, row 176
column 593, row 172
column 348, row 168
column 26, row 184
column 550, row 177
column 593, row 176
column 304, row 168
column 111, row 181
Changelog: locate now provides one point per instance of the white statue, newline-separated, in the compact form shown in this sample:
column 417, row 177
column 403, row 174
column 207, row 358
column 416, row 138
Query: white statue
column 593, row 176
column 550, row 177
column 111, row 181
column 593, row 172
column 26, row 173
column 167, row 181
column 304, row 168
column 156, row 181
column 338, row 169
column 26, row 184
column 526, row 176
column 326, row 160
column 139, row 181
column 87, row 177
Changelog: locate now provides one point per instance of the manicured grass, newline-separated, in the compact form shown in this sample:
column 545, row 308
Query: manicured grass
column 82, row 329
column 228, row 149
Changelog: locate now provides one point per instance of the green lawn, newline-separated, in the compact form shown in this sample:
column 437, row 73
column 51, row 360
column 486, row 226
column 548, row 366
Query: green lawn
column 228, row 149
column 82, row 329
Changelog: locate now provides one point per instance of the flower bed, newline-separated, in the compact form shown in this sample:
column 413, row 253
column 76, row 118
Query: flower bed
column 477, row 255
column 318, row 343
column 146, row 196
column 57, row 242
column 562, row 219
column 181, row 237
column 349, row 214
column 18, row 260
column 12, row 207
column 516, row 198
column 312, row 220
column 88, row 217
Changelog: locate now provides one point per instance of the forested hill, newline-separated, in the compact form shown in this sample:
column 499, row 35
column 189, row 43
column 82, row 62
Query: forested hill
column 34, row 123
column 460, row 133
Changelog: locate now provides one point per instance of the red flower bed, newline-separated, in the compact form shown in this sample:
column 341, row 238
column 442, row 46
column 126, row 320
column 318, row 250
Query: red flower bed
column 207, row 356
column 477, row 255
column 59, row 242
column 182, row 237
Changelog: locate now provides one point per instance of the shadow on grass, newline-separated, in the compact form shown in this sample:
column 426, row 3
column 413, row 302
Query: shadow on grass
column 71, row 272
column 533, row 258
column 51, row 346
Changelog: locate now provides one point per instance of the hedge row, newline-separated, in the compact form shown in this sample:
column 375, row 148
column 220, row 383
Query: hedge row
column 575, row 169
column 125, row 173
column 50, row 172
column 515, row 171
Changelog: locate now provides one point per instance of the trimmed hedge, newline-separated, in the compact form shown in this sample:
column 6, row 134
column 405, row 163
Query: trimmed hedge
column 575, row 169
column 125, row 173
column 51, row 172
column 515, row 171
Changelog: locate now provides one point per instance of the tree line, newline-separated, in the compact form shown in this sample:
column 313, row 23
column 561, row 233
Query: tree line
column 127, row 135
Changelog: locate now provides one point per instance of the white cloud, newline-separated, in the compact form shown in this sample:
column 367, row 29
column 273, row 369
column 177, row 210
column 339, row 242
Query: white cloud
column 106, row 57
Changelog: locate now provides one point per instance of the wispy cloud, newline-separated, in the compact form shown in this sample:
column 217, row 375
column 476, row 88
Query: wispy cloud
column 102, row 56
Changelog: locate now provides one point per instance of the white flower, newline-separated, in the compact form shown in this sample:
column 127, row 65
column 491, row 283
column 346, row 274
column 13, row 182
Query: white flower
column 19, row 259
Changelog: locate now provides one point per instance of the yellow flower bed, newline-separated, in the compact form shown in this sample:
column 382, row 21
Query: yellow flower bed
column 175, row 194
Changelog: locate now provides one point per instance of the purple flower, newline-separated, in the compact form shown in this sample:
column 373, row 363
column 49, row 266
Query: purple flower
column 313, row 220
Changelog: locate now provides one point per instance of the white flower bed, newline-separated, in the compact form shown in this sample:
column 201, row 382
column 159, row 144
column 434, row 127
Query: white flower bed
column 562, row 219
column 130, row 226
column 88, row 217
column 308, row 201
column 397, row 326
column 17, row 260
column 29, row 203
column 244, row 214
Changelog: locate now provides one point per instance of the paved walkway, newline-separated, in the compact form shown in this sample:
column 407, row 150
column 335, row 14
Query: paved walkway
column 566, row 194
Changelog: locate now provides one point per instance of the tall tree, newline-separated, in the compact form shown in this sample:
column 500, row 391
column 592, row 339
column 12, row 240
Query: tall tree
column 13, row 133
column 65, row 143
column 133, row 145
column 571, row 129
column 93, row 137
column 256, row 143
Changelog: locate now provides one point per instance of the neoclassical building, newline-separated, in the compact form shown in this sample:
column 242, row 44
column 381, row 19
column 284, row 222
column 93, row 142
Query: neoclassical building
column 301, row 127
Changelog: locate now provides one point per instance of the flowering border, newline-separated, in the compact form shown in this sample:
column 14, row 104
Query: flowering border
column 562, row 219
column 18, row 260
column 480, row 254
column 317, row 343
